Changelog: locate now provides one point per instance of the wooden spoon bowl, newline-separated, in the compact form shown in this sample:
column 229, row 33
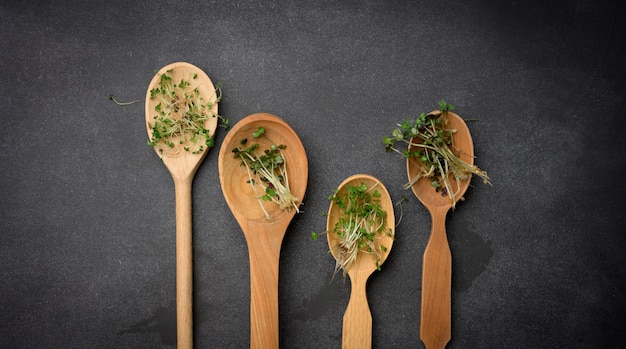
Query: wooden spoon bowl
column 239, row 194
column 435, row 325
column 264, row 236
column 357, row 320
column 462, row 140
column 182, row 166
column 180, row 163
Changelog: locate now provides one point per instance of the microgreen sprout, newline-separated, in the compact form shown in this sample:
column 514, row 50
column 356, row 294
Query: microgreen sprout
column 431, row 143
column 360, row 222
column 111, row 97
column 260, row 131
column 267, row 173
column 399, row 204
column 181, row 114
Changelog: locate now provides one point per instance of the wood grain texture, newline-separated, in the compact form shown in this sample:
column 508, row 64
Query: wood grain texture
column 182, row 167
column 184, row 264
column 357, row 319
column 435, row 324
column 263, row 236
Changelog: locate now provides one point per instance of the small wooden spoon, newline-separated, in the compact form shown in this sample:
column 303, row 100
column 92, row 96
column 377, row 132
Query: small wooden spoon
column 264, row 237
column 435, row 325
column 357, row 320
column 183, row 166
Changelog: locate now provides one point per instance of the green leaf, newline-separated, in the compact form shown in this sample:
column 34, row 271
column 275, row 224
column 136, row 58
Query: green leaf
column 269, row 191
column 260, row 131
column 397, row 134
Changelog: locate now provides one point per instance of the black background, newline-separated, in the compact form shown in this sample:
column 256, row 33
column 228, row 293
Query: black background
column 87, row 209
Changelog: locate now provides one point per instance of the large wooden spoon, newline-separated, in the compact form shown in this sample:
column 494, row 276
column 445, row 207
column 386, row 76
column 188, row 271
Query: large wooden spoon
column 435, row 325
column 264, row 236
column 357, row 320
column 182, row 166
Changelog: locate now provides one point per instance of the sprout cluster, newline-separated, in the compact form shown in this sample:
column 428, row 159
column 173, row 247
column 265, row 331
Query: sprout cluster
column 267, row 173
column 431, row 143
column 181, row 115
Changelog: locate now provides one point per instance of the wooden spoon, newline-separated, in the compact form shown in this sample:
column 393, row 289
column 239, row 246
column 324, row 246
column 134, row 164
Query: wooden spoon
column 435, row 325
column 264, row 237
column 183, row 166
column 357, row 320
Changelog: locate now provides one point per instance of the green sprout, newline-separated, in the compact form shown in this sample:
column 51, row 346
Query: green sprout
column 361, row 221
column 112, row 98
column 399, row 204
column 181, row 114
column 431, row 142
column 260, row 131
column 267, row 173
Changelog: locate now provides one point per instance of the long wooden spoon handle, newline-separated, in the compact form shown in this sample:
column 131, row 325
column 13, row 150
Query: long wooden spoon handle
column 184, row 274
column 357, row 320
column 264, row 252
column 435, row 326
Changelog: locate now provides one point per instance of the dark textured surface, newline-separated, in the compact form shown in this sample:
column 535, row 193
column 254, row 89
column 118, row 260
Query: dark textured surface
column 87, row 209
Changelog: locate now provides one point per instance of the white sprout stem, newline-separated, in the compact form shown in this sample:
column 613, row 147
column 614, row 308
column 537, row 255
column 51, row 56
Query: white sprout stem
column 256, row 194
column 349, row 245
column 286, row 199
column 283, row 171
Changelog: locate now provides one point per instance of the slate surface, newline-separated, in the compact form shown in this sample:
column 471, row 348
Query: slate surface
column 87, row 209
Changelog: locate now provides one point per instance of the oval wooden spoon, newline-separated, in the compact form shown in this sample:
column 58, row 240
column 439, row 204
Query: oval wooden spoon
column 357, row 320
column 182, row 166
column 435, row 325
column 264, row 237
